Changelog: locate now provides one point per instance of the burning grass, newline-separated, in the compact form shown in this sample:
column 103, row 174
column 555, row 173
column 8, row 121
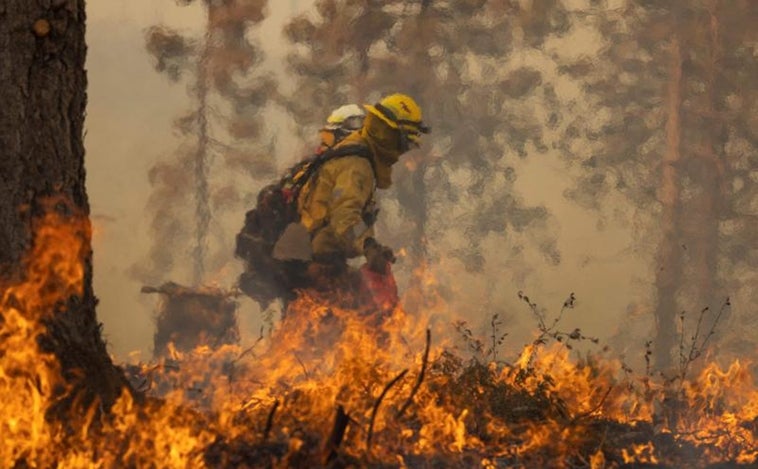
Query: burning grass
column 334, row 387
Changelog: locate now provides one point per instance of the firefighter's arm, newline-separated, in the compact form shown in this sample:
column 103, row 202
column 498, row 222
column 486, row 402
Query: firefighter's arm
column 353, row 187
column 360, row 241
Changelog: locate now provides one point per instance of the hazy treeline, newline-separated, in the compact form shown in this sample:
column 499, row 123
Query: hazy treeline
column 660, row 112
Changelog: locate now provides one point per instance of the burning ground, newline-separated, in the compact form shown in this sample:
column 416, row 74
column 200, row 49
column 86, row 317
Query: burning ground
column 331, row 387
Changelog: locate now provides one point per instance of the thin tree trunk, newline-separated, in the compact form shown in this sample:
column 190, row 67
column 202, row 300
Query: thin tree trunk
column 43, row 96
column 704, row 228
column 669, row 255
column 202, row 206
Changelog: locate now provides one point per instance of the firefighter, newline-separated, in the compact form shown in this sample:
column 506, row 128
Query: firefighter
column 337, row 207
column 340, row 123
column 269, row 275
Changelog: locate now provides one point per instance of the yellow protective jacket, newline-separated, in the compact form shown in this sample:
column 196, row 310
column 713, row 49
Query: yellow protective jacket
column 337, row 204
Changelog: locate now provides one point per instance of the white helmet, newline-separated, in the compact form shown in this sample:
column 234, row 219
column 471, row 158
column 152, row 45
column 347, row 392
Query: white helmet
column 348, row 117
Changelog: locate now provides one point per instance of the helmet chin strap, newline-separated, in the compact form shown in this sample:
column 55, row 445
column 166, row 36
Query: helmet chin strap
column 402, row 141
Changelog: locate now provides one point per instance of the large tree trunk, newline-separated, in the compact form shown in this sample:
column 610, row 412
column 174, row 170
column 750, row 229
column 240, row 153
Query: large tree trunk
column 669, row 256
column 43, row 96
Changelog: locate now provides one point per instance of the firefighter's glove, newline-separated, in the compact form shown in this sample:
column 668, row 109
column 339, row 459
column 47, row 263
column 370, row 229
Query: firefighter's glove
column 378, row 257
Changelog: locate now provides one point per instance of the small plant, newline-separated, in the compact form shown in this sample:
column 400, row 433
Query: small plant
column 476, row 345
column 496, row 337
column 551, row 331
column 688, row 353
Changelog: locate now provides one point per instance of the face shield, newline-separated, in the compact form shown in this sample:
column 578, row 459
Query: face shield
column 352, row 123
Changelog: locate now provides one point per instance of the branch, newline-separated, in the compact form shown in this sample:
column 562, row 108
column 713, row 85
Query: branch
column 305, row 370
column 270, row 420
column 594, row 409
column 376, row 408
column 335, row 438
column 247, row 350
column 420, row 378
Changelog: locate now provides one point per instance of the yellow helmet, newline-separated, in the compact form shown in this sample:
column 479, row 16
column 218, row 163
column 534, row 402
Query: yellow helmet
column 401, row 112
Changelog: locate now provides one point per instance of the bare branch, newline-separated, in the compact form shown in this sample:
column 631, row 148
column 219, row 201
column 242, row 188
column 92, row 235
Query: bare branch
column 341, row 421
column 270, row 420
column 376, row 408
column 420, row 378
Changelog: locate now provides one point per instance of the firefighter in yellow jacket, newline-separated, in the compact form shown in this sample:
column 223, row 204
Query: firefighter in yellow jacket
column 335, row 208
column 337, row 205
column 279, row 272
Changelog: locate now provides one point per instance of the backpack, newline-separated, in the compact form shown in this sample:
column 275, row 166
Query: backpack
column 276, row 206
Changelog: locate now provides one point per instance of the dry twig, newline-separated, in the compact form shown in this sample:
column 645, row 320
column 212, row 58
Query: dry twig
column 594, row 409
column 420, row 378
column 270, row 420
column 376, row 408
column 335, row 437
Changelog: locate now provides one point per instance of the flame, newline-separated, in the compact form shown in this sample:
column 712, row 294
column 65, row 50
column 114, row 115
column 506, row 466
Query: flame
column 597, row 460
column 644, row 453
column 399, row 399
column 30, row 377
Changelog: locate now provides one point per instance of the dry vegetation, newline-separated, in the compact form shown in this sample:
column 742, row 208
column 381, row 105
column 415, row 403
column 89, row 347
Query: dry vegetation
column 335, row 387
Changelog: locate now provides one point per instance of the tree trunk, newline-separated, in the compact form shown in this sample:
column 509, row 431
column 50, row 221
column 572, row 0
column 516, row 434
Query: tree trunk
column 201, row 157
column 711, row 173
column 43, row 96
column 669, row 257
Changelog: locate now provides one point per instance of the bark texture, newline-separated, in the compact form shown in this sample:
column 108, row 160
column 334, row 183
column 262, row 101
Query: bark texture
column 670, row 259
column 711, row 170
column 43, row 96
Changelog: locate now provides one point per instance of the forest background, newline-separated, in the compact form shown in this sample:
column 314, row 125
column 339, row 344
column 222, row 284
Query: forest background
column 540, row 177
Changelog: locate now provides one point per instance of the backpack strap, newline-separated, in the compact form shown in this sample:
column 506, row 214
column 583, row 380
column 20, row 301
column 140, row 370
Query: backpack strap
column 354, row 149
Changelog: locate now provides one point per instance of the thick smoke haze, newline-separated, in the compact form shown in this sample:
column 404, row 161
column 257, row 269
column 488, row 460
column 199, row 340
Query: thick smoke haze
column 596, row 245
column 131, row 130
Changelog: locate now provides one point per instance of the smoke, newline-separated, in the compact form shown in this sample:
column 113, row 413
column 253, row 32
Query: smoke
column 665, row 70
column 227, row 93
column 529, row 101
column 459, row 207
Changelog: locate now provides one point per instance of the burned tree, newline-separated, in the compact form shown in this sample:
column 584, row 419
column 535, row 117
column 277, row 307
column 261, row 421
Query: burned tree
column 190, row 317
column 42, row 48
